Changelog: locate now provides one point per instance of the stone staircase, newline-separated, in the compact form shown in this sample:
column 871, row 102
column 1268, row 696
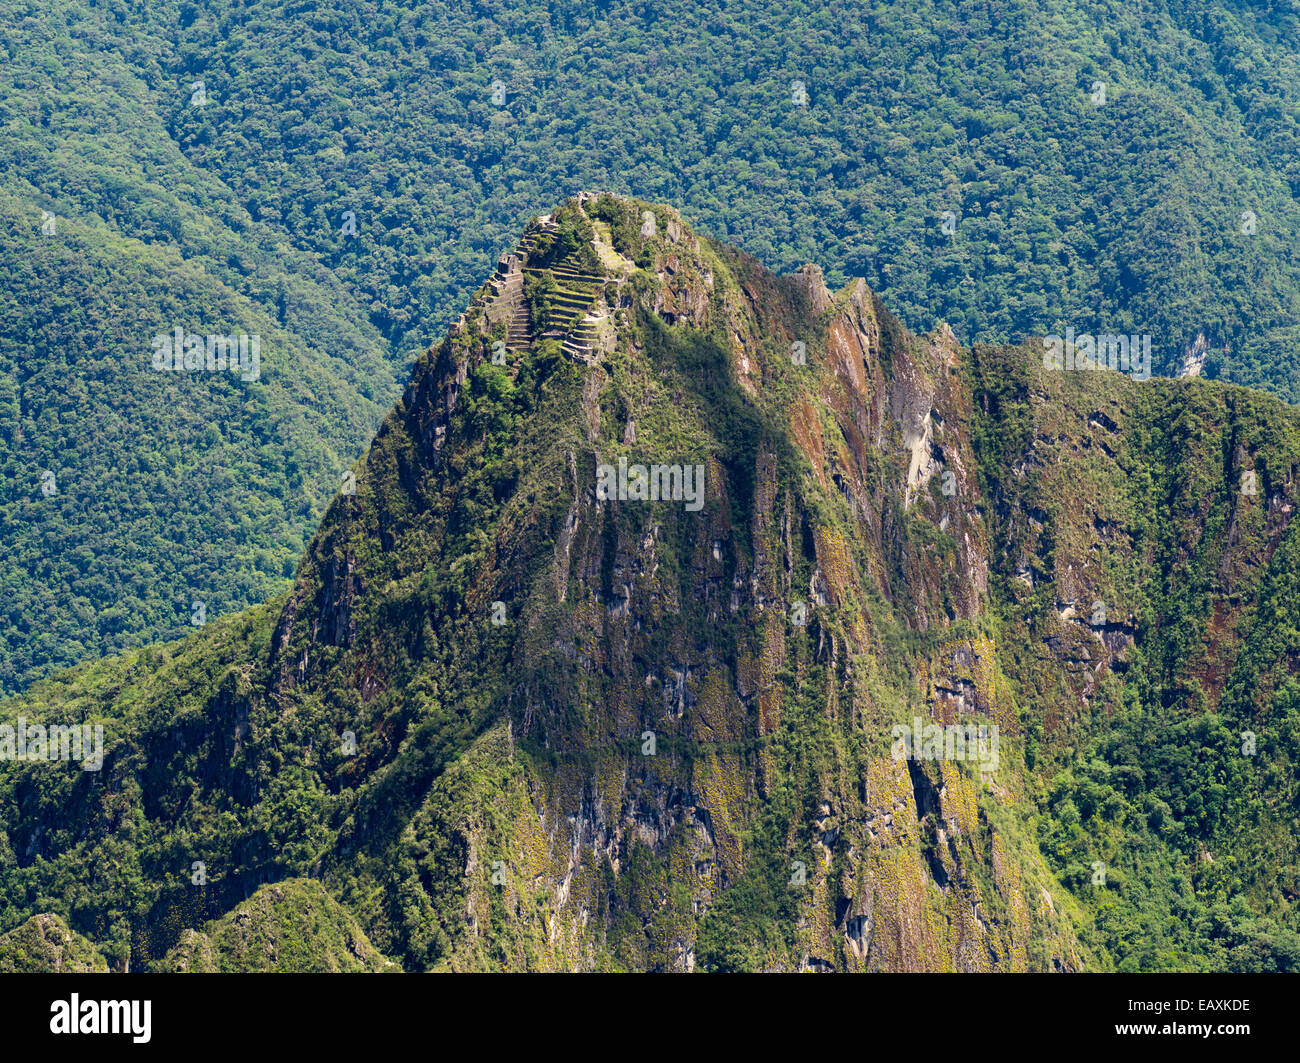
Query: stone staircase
column 519, row 327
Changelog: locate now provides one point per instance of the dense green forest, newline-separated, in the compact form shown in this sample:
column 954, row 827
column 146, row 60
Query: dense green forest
column 340, row 176
column 136, row 503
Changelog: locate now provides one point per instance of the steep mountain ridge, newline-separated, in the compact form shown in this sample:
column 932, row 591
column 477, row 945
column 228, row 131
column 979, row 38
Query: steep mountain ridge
column 674, row 624
column 515, row 713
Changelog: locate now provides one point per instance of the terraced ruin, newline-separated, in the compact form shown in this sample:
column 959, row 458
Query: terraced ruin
column 574, row 305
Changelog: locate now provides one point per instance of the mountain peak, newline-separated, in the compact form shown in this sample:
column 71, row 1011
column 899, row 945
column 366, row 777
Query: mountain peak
column 613, row 649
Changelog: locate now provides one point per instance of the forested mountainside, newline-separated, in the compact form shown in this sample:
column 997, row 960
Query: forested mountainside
column 336, row 178
column 136, row 502
column 520, row 710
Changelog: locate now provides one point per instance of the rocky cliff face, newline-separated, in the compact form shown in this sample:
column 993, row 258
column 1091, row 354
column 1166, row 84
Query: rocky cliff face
column 605, row 661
